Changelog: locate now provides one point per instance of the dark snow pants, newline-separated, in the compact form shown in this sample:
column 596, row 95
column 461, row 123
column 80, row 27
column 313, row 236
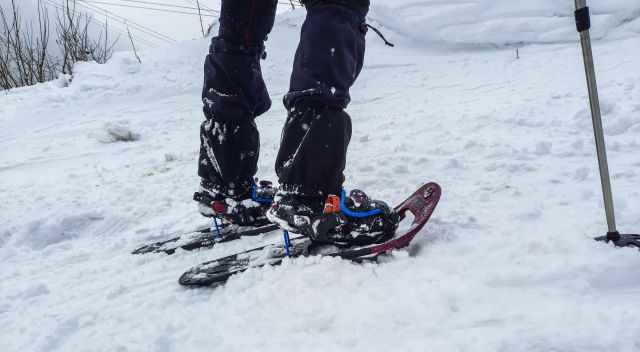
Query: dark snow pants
column 317, row 131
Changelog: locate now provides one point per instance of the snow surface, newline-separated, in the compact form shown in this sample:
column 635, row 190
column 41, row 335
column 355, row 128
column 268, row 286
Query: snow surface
column 506, row 264
column 483, row 23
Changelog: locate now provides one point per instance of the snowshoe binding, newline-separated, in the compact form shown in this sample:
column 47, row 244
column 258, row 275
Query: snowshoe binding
column 247, row 209
column 353, row 220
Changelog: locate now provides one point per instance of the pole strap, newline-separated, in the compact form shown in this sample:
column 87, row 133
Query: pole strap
column 583, row 19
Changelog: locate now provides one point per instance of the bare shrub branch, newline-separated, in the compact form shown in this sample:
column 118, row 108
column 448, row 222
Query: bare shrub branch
column 133, row 45
column 26, row 56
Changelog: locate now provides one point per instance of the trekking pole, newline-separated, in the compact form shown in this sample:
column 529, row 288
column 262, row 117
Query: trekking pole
column 583, row 23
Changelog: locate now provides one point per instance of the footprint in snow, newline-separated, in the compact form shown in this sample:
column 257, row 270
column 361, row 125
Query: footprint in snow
column 619, row 126
column 51, row 230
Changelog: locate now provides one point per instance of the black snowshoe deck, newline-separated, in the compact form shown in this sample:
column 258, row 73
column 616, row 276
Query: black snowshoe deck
column 204, row 238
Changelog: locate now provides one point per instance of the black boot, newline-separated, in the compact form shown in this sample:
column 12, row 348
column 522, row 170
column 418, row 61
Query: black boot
column 352, row 220
column 246, row 209
column 296, row 213
column 234, row 95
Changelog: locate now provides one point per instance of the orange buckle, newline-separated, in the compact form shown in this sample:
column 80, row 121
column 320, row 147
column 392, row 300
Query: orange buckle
column 332, row 205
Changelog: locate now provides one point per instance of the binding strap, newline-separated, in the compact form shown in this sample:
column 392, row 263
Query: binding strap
column 356, row 214
column 261, row 200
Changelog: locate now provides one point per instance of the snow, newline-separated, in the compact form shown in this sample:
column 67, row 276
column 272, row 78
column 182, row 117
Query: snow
column 506, row 264
column 488, row 23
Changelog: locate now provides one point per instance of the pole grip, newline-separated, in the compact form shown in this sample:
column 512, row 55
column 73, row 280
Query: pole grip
column 583, row 19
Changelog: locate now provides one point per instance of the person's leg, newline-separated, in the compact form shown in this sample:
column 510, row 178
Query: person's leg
column 312, row 156
column 329, row 58
column 233, row 95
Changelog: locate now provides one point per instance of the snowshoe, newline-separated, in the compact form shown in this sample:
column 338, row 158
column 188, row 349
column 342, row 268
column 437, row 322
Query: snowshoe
column 204, row 237
column 420, row 204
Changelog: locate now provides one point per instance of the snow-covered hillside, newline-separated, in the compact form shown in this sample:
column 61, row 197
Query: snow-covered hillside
column 506, row 264
column 488, row 23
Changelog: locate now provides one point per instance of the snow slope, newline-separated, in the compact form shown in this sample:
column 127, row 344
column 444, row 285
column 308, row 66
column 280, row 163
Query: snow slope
column 482, row 23
column 507, row 263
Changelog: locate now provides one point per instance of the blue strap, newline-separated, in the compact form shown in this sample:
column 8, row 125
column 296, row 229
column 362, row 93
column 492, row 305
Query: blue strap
column 261, row 200
column 356, row 214
column 287, row 242
column 215, row 222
